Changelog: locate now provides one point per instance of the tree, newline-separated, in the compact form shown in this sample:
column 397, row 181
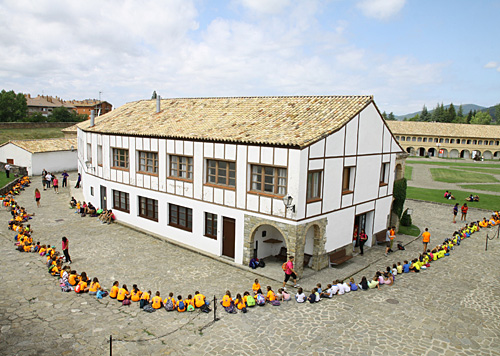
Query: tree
column 481, row 118
column 62, row 114
column 154, row 96
column 469, row 117
column 452, row 115
column 35, row 117
column 460, row 114
column 414, row 118
column 497, row 114
column 13, row 107
column 384, row 115
column 424, row 115
column 391, row 117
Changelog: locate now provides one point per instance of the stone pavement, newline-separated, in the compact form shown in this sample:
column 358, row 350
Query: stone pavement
column 452, row 308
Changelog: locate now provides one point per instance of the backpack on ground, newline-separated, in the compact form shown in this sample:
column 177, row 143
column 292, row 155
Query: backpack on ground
column 190, row 308
column 100, row 294
column 126, row 301
column 401, row 247
column 253, row 263
column 205, row 309
column 169, row 305
column 262, row 264
column 276, row 303
column 261, row 300
column 148, row 308
column 250, row 301
column 65, row 288
column 143, row 303
column 78, row 288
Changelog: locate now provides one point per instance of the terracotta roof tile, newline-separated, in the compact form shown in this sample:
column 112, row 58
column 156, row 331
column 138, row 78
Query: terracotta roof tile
column 47, row 145
column 440, row 129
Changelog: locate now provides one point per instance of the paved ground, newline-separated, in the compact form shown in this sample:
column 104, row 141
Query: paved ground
column 450, row 309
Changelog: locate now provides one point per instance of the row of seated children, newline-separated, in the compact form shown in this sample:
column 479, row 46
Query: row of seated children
column 105, row 216
column 19, row 185
column 492, row 221
column 242, row 303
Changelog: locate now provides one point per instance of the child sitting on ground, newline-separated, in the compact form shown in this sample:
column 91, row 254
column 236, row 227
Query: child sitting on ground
column 312, row 296
column 300, row 297
column 255, row 286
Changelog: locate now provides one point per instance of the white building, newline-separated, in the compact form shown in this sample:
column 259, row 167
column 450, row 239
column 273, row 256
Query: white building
column 211, row 173
column 54, row 155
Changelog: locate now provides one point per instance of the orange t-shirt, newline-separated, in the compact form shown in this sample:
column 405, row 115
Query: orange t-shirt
column 156, row 302
column 256, row 287
column 136, row 296
column 114, row 292
column 271, row 296
column 426, row 236
column 122, row 292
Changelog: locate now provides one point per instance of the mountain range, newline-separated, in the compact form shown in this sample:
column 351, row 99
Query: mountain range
column 466, row 108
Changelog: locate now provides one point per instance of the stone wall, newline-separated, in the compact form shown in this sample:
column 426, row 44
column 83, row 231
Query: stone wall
column 35, row 125
column 15, row 171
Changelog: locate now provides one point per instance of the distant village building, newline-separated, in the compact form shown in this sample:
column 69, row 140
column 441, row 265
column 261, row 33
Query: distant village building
column 46, row 104
column 245, row 177
column 55, row 155
column 446, row 140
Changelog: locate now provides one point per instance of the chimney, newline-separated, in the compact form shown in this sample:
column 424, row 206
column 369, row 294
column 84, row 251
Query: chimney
column 158, row 103
column 92, row 117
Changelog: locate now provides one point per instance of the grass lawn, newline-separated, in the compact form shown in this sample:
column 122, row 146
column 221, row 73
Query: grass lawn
column 487, row 170
column 26, row 134
column 457, row 176
column 408, row 172
column 4, row 180
column 409, row 230
column 488, row 187
column 455, row 164
column 489, row 202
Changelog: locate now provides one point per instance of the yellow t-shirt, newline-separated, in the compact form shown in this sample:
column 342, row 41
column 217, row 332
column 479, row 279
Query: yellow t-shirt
column 82, row 285
column 94, row 286
column 145, row 295
column 256, row 287
column 122, row 292
column 136, row 296
column 156, row 302
column 271, row 296
column 72, row 279
column 113, row 293
column 199, row 300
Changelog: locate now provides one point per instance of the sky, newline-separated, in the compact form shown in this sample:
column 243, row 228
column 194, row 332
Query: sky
column 406, row 53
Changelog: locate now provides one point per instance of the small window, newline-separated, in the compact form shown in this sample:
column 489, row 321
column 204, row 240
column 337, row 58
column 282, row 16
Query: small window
column 413, row 138
column 181, row 167
column 480, row 142
column 211, row 225
column 436, row 140
column 425, row 139
column 148, row 162
column 384, row 173
column 148, row 208
column 121, row 201
column 270, row 180
column 92, row 191
column 419, row 139
column 397, row 138
column 180, row 217
column 221, row 173
column 468, row 142
column 447, row 140
column 486, row 142
column 348, row 180
column 99, row 155
column 120, row 158
column 314, row 185
column 474, row 142
column 440, row 140
column 491, row 143
column 403, row 138
column 497, row 143
column 452, row 140
column 89, row 152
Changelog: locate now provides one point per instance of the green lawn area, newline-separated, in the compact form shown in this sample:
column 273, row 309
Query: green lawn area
column 408, row 172
column 409, row 230
column 4, row 180
column 490, row 202
column 456, row 164
column 26, row 134
column 457, row 176
column 488, row 187
column 487, row 170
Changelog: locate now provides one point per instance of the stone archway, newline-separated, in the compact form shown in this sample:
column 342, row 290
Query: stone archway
column 444, row 153
column 421, row 152
column 432, row 152
column 411, row 151
column 319, row 256
column 465, row 154
column 496, row 154
column 454, row 153
column 487, row 155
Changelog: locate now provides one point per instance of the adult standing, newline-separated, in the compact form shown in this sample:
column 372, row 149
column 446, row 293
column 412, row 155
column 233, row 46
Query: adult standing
column 362, row 240
column 426, row 238
column 290, row 272
column 65, row 248
column 389, row 239
column 455, row 212
column 78, row 181
column 7, row 170
column 37, row 197
column 464, row 209
column 44, row 180
column 48, row 179
column 55, row 183
column 65, row 179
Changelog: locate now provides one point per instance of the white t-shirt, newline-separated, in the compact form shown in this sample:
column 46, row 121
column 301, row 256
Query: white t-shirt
column 341, row 289
column 347, row 288
column 301, row 298
column 335, row 289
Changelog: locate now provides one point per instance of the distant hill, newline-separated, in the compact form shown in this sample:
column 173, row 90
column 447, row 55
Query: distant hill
column 466, row 108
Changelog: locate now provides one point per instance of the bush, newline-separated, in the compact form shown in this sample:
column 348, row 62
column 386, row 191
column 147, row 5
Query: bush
column 405, row 219
column 399, row 194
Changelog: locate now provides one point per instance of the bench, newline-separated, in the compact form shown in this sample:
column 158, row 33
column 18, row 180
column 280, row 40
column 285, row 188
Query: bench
column 380, row 236
column 339, row 257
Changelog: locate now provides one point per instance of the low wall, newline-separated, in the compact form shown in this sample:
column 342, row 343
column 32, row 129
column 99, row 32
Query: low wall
column 6, row 188
column 35, row 125
column 15, row 171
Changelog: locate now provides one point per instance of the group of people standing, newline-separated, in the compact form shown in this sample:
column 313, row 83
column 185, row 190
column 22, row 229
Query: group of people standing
column 49, row 179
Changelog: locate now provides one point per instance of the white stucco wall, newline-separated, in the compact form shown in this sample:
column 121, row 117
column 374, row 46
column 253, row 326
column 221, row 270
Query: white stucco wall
column 20, row 156
column 57, row 161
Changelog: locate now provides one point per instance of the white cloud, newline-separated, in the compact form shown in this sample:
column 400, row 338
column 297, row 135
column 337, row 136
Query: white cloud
column 380, row 9
column 265, row 6
column 491, row 65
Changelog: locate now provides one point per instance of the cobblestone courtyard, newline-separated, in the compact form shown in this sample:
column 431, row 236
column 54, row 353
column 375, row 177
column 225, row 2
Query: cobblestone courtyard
column 453, row 308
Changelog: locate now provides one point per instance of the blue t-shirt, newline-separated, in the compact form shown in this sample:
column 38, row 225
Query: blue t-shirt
column 353, row 286
column 406, row 268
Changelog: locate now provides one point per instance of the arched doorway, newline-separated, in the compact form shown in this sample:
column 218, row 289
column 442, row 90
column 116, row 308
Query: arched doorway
column 267, row 240
column 421, row 152
column 399, row 172
column 487, row 155
column 411, row 151
column 476, row 155
column 443, row 153
column 497, row 154
column 432, row 152
column 454, row 153
column 465, row 154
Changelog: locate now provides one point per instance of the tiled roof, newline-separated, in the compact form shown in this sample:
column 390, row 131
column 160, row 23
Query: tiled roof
column 440, row 129
column 47, row 101
column 290, row 121
column 47, row 145
column 70, row 129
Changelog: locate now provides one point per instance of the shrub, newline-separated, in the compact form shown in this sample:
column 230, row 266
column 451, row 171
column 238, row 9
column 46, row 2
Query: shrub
column 405, row 219
column 399, row 194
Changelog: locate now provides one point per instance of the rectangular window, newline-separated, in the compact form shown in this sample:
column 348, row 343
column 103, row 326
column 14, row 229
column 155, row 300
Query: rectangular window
column 436, row 140
column 99, row 155
column 425, row 139
column 120, row 158
column 221, row 173
column 314, row 185
column 403, row 138
column 413, row 138
column 440, row 140
column 181, row 167
column 480, row 142
column 89, row 152
column 270, row 180
column 452, row 140
column 148, row 162
column 348, row 180
column 447, row 140
column 180, row 217
column 148, row 208
column 211, row 225
column 120, row 201
column 384, row 174
column 419, row 139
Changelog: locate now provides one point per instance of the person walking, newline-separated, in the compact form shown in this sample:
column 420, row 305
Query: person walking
column 362, row 240
column 65, row 247
column 290, row 272
column 37, row 197
column 464, row 212
column 455, row 212
column 79, row 179
column 7, row 170
column 65, row 176
column 426, row 238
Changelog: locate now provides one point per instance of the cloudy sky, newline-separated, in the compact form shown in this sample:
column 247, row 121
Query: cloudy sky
column 404, row 52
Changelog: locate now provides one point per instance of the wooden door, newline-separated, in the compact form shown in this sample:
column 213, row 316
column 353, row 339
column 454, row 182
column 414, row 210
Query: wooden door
column 10, row 160
column 104, row 204
column 228, row 237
